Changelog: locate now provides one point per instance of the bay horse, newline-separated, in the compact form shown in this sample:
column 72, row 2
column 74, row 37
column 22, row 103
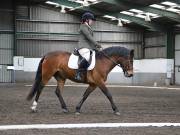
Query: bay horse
column 55, row 64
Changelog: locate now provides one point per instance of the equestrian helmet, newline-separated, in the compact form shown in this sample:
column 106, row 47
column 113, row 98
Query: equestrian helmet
column 87, row 16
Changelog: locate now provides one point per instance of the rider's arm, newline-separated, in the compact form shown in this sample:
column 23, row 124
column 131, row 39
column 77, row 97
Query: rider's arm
column 90, row 38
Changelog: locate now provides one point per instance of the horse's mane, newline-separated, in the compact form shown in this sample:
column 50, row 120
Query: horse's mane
column 115, row 50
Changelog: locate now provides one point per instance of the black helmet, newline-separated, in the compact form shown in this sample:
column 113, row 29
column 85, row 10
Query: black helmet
column 86, row 16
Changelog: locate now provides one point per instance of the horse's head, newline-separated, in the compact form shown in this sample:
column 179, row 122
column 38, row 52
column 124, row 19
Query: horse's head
column 119, row 55
column 127, row 64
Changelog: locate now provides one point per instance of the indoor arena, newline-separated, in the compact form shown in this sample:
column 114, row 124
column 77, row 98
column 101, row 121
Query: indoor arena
column 90, row 67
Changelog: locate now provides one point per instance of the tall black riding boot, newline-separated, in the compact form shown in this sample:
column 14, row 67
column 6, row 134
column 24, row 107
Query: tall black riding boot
column 82, row 68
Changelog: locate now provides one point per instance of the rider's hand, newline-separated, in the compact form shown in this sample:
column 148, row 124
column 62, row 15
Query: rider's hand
column 98, row 47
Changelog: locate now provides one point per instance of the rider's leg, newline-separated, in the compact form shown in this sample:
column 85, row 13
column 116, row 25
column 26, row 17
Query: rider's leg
column 82, row 68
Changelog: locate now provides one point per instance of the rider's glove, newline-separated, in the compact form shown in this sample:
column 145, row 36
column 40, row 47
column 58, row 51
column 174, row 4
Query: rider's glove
column 98, row 47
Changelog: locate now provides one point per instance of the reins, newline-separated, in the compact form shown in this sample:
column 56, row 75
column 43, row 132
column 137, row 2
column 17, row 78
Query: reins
column 111, row 59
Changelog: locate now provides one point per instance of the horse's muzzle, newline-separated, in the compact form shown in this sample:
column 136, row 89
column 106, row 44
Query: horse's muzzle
column 128, row 74
column 131, row 75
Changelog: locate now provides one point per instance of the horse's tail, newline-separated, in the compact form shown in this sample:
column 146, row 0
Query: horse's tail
column 38, row 82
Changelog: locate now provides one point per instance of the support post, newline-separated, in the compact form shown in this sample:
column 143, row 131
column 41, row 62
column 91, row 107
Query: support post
column 170, row 53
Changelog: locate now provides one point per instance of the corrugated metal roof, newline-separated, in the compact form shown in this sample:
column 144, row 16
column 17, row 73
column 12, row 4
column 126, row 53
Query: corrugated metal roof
column 147, row 10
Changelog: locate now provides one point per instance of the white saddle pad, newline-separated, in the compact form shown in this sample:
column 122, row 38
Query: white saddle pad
column 73, row 62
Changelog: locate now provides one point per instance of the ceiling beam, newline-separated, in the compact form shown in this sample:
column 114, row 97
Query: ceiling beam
column 67, row 3
column 174, row 1
column 150, row 25
column 164, row 13
column 121, row 1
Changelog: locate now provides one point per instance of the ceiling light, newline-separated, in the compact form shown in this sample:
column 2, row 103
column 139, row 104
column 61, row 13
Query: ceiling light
column 52, row 3
column 158, row 6
column 136, row 11
column 125, row 21
column 63, row 9
column 85, row 3
column 110, row 17
column 174, row 10
column 127, row 13
column 169, row 3
column 120, row 23
column 140, row 16
column 147, row 17
column 153, row 15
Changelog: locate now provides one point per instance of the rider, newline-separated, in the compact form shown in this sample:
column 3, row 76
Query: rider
column 86, row 40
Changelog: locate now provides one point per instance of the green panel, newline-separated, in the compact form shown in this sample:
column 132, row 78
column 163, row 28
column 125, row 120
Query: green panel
column 115, row 2
column 160, row 12
column 170, row 44
column 67, row 3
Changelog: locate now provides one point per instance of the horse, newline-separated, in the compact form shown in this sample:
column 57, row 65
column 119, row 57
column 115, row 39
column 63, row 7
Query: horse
column 55, row 64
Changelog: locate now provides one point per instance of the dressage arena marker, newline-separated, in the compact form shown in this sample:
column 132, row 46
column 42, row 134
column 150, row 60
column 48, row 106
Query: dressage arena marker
column 115, row 86
column 88, row 125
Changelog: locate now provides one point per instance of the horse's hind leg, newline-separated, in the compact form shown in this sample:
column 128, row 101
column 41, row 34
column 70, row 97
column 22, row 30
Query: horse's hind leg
column 45, row 78
column 90, row 89
column 34, row 105
column 58, row 92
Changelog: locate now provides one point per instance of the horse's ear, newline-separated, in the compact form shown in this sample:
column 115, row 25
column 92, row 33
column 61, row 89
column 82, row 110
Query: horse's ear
column 132, row 53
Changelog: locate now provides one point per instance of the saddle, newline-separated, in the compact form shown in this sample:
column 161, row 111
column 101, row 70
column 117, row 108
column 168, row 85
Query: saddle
column 78, row 54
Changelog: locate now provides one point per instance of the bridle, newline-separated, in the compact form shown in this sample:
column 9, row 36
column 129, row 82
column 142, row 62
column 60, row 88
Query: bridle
column 117, row 64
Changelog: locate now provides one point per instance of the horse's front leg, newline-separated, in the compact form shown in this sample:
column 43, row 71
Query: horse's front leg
column 90, row 89
column 58, row 92
column 109, row 96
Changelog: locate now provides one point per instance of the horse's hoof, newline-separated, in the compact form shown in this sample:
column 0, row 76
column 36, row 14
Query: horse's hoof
column 77, row 113
column 65, row 111
column 117, row 113
column 34, row 110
